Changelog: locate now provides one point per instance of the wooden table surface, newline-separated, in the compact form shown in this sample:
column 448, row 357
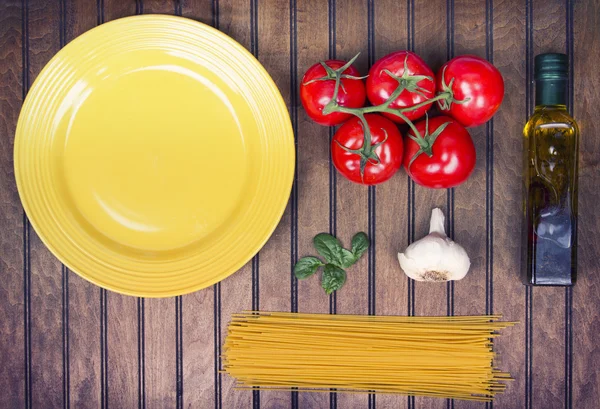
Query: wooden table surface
column 66, row 343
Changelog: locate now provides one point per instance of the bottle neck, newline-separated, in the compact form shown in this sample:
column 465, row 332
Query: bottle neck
column 550, row 92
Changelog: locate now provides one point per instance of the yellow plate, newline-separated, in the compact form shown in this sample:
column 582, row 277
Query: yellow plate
column 154, row 156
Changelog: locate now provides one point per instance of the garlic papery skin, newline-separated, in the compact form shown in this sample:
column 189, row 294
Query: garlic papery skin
column 435, row 257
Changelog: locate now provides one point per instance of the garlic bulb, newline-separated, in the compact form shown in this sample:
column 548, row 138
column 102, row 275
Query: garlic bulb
column 435, row 257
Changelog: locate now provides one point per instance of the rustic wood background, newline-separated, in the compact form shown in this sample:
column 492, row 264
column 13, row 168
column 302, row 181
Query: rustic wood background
column 66, row 343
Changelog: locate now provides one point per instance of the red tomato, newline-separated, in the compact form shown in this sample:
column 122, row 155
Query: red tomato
column 445, row 163
column 351, row 136
column 381, row 85
column 315, row 94
column 476, row 82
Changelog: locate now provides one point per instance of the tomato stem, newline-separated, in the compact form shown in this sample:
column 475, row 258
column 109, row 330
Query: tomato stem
column 406, row 82
column 385, row 107
column 449, row 99
column 426, row 142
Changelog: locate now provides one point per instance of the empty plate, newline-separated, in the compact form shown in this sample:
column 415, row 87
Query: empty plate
column 154, row 156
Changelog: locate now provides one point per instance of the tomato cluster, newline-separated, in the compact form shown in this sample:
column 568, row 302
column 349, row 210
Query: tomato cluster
column 368, row 147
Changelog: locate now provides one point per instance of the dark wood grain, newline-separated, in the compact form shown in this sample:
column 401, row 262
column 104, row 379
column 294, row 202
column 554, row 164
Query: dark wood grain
column 160, row 6
column 470, row 220
column 548, row 303
column 114, row 9
column 470, row 205
column 430, row 43
column 509, row 294
column 352, row 201
column 315, row 208
column 84, row 361
column 236, row 290
column 11, row 214
column 137, row 363
column 84, row 338
column 163, row 386
column 391, row 236
column 198, row 349
column 200, row 10
column 198, row 308
column 313, row 156
column 273, row 46
column 123, row 378
column 122, row 351
column 45, row 291
column 161, row 382
column 586, row 294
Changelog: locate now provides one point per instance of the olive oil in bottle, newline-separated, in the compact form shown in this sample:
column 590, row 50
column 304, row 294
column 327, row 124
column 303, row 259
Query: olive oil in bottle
column 550, row 156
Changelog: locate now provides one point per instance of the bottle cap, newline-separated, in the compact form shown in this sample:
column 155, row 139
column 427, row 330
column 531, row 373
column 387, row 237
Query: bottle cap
column 551, row 66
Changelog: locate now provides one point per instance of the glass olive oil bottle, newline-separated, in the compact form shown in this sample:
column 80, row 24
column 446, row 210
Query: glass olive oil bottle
column 550, row 175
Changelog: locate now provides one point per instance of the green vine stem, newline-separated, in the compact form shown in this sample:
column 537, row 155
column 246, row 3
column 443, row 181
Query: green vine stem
column 447, row 102
column 405, row 82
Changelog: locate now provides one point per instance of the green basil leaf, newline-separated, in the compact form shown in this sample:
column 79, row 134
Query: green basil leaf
column 333, row 278
column 360, row 244
column 329, row 247
column 306, row 266
column 347, row 258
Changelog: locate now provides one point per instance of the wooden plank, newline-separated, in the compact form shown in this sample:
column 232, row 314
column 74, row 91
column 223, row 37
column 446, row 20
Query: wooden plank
column 46, row 270
column 470, row 198
column 198, row 349
column 160, row 6
column 124, row 371
column 273, row 48
column 548, row 318
column 114, row 9
column 200, row 10
column 83, row 297
column 161, row 365
column 429, row 43
column 315, row 208
column 316, row 211
column 586, row 293
column 234, row 293
column 235, row 296
column 469, row 220
column 12, row 375
column 84, row 342
column 352, row 199
column 122, row 334
column 509, row 293
column 392, row 199
column 313, row 157
column 198, row 329
column 199, row 343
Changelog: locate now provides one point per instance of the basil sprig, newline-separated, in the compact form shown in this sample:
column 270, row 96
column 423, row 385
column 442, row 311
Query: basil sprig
column 337, row 259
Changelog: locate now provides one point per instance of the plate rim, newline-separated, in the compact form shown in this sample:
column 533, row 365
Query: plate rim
column 289, row 142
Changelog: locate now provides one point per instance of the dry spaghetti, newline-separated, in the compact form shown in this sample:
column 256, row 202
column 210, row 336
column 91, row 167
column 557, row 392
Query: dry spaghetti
column 448, row 357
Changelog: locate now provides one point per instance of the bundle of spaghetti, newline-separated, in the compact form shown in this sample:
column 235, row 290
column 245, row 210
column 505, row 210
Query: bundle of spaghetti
column 447, row 357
